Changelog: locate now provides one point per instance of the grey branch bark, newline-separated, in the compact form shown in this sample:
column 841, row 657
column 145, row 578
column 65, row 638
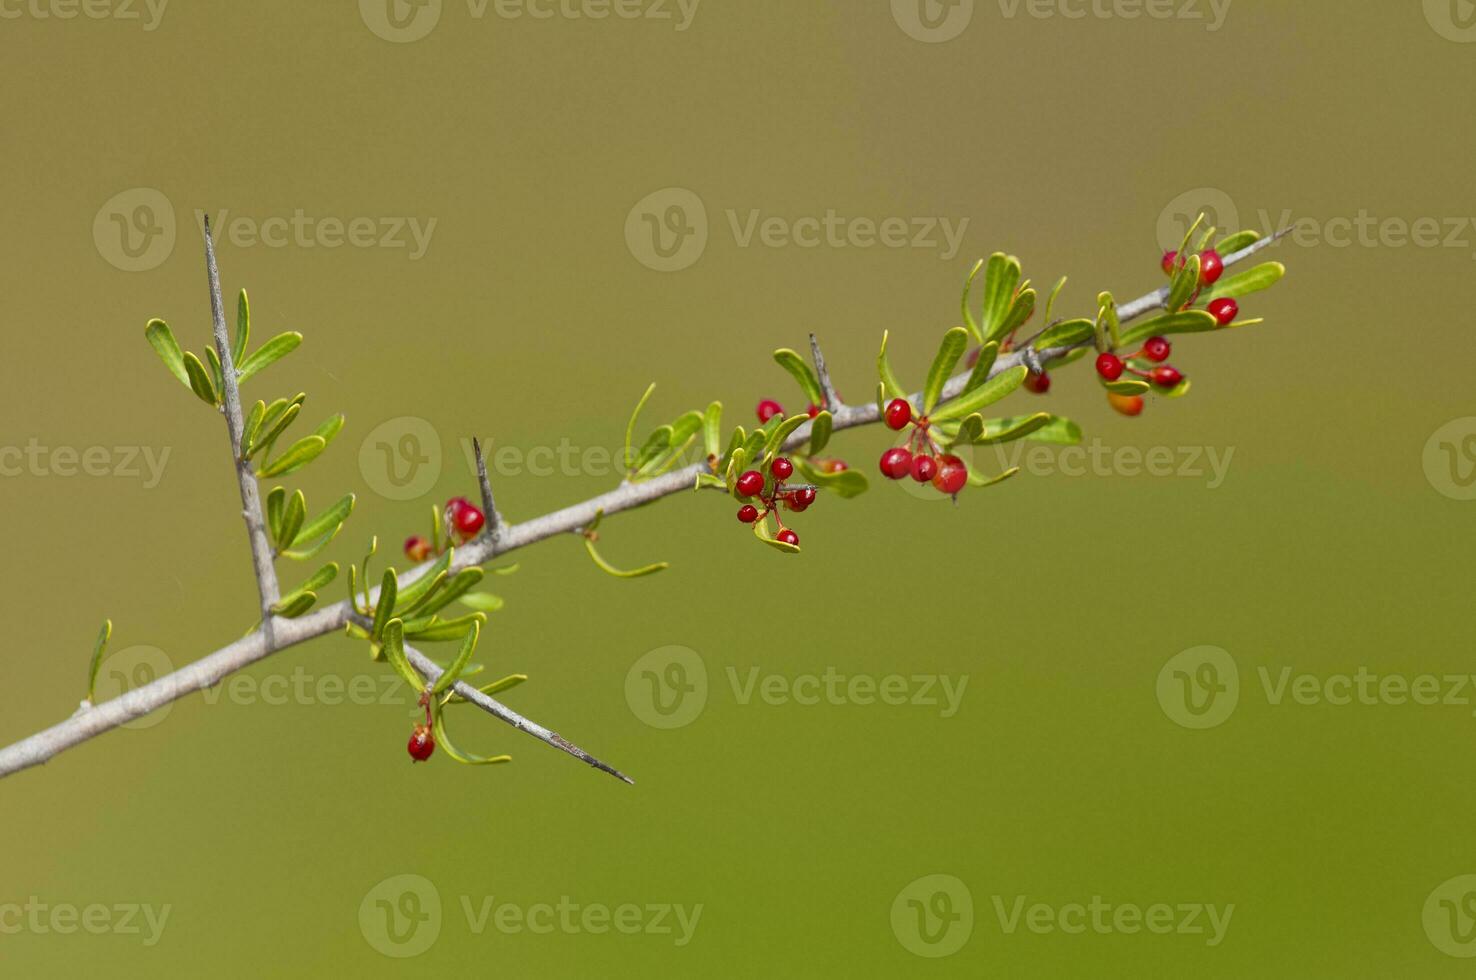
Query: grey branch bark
column 210, row 669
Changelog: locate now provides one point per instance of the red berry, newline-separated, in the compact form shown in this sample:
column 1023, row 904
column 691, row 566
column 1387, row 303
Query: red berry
column 813, row 410
column 748, row 513
column 788, row 537
column 750, row 483
column 422, row 744
column 469, row 519
column 1167, row 377
column 837, row 466
column 781, row 468
column 1126, row 404
column 896, row 463
column 1157, row 349
column 1211, row 267
column 767, row 409
column 1170, row 260
column 924, row 468
column 1224, row 311
column 802, row 499
column 417, row 548
column 951, row 476
column 454, row 506
column 899, row 413
column 1109, row 366
column 1038, row 383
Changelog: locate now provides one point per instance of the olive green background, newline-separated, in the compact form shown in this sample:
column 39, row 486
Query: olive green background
column 528, row 319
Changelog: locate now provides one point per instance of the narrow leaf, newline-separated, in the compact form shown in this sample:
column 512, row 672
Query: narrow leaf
column 98, row 646
column 438, row 725
column 1067, row 333
column 820, row 429
column 394, row 650
column 482, row 601
column 243, row 328
column 609, row 569
column 292, row 518
column 1263, row 276
column 268, row 354
column 797, row 366
column 982, row 366
column 200, row 382
column 712, row 429
column 298, row 455
column 988, row 393
column 889, row 380
column 949, row 351
column 463, row 657
column 161, row 338
column 628, row 459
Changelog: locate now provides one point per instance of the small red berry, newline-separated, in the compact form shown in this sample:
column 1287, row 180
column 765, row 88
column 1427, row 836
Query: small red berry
column 422, row 743
column 469, row 519
column 1167, row 377
column 896, row 463
column 1129, row 405
column 788, row 537
column 1038, row 383
column 417, row 548
column 802, row 499
column 924, row 468
column 1224, row 311
column 837, row 466
column 767, row 409
column 455, row 506
column 748, row 513
column 1211, row 267
column 1157, row 349
column 899, row 413
column 813, row 410
column 782, row 468
column 1109, row 366
column 750, row 483
column 951, row 476
column 1170, row 260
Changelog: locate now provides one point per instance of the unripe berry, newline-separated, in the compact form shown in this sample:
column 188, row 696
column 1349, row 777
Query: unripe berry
column 767, row 409
column 748, row 513
column 417, row 548
column 1109, row 366
column 750, row 483
column 1157, row 349
column 788, row 537
column 421, row 744
column 924, row 468
column 899, row 413
column 1038, row 383
column 781, row 468
column 951, row 476
column 1126, row 404
column 1211, row 267
column 468, row 519
column 1167, row 376
column 896, row 463
column 1224, row 311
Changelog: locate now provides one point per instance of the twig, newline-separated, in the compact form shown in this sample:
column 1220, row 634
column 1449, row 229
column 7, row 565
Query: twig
column 489, row 506
column 832, row 400
column 212, row 668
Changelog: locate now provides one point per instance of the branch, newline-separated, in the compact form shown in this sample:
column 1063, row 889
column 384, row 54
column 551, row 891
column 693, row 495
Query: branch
column 210, row 669
column 489, row 506
column 832, row 400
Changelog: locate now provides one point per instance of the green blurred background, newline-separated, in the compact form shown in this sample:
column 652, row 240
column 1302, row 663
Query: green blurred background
column 264, row 821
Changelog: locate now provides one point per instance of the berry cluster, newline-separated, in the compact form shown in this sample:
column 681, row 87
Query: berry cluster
column 1155, row 350
column 1211, row 268
column 921, row 457
column 771, row 493
column 463, row 520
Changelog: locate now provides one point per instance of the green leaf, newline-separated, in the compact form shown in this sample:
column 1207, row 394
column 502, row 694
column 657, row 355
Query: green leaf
column 1058, row 431
column 243, row 328
column 1126, row 386
column 1067, row 333
column 761, row 531
column 1055, row 293
column 791, row 361
column 979, row 480
column 1017, row 428
column 463, row 657
column 327, row 524
column 1184, row 285
column 949, row 351
column 384, row 608
column 482, row 601
column 394, row 649
column 629, row 459
column 453, row 588
column 1186, row 321
column 734, row 444
column 1001, row 277
column 1177, row 391
column 609, row 569
column 200, row 382
column 217, row 376
column 656, row 443
column 438, row 725
column 161, row 338
column 1107, row 320
column 712, row 429
column 781, row 433
column 292, row 519
column 296, row 456
column 982, row 366
column 889, row 380
column 294, row 605
column 1021, row 309
column 98, row 646
column 275, row 506
column 1263, row 276
column 425, row 584
column 846, row 483
column 450, row 629
column 268, row 354
column 330, row 428
column 251, row 427
column 1236, row 242
column 273, row 430
column 314, row 584
column 967, row 313
column 988, row 393
column 496, row 687
column 820, row 430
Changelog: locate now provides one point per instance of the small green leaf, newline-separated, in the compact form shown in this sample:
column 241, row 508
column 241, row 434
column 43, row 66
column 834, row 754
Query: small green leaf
column 982, row 366
column 846, row 483
column 330, row 428
column 1058, row 431
column 251, row 427
column 1021, row 309
column 1067, row 333
column 1018, row 428
column 294, row 605
column 1108, row 323
column 276, row 504
column 712, row 429
column 243, row 328
column 161, row 338
column 217, row 377
column 967, row 313
column 1126, row 386
column 443, row 630
column 496, row 687
column 949, row 351
column 1184, row 285
column 791, row 361
column 268, row 354
column 1185, row 321
column 1001, row 277
column 98, row 646
column 889, row 380
column 628, row 458
column 482, row 601
column 200, row 382
column 394, row 650
column 425, row 584
column 1177, row 391
column 463, row 657
column 438, row 725
column 761, row 531
column 292, row 518
column 1055, row 293
column 820, row 429
column 781, row 433
column 1263, row 276
column 1236, row 242
column 609, row 569
column 296, row 456
column 454, row 588
column 273, row 429
column 325, row 526
column 315, row 583
column 656, row 443
column 988, row 393
column 979, row 480
column 384, row 608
